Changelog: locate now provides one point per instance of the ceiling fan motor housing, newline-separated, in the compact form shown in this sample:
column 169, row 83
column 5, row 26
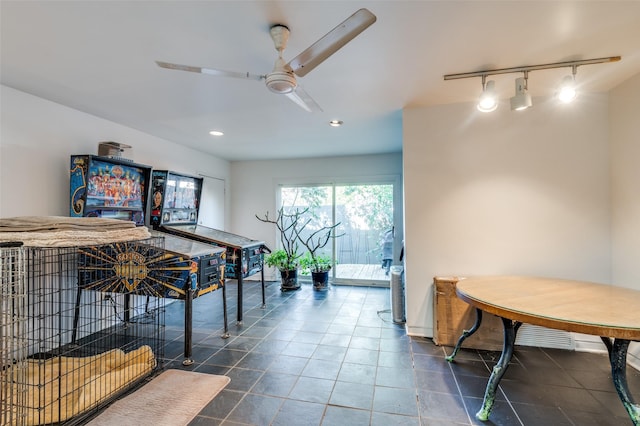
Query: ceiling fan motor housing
column 281, row 82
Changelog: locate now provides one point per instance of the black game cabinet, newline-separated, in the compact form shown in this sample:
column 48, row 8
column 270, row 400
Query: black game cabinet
column 175, row 203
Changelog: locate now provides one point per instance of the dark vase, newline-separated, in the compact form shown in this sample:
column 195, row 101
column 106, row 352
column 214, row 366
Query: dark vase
column 289, row 279
column 320, row 280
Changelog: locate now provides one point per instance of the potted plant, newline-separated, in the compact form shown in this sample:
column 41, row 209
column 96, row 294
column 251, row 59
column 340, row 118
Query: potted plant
column 286, row 259
column 288, row 267
column 313, row 260
column 319, row 267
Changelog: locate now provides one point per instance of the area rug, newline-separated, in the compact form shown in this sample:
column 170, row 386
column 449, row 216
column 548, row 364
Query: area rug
column 173, row 398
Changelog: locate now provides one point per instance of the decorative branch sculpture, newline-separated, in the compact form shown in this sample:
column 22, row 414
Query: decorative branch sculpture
column 315, row 241
column 289, row 226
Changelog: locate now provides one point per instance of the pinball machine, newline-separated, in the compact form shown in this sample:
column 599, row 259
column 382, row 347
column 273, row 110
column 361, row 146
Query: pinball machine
column 178, row 268
column 176, row 200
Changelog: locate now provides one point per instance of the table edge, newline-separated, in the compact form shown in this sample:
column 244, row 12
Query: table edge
column 576, row 327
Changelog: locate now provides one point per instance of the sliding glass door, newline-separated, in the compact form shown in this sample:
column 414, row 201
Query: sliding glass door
column 364, row 232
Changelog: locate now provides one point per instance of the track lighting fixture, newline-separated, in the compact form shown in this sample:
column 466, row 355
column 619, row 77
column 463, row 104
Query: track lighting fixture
column 522, row 100
column 488, row 99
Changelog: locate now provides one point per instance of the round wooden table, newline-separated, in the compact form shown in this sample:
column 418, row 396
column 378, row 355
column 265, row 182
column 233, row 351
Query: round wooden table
column 611, row 312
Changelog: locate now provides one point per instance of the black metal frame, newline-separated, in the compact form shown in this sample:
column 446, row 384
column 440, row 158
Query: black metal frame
column 234, row 252
column 617, row 349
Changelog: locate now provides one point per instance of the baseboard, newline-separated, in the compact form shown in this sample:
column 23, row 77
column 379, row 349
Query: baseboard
column 589, row 343
column 583, row 343
column 362, row 283
column 415, row 331
column 257, row 277
column 593, row 344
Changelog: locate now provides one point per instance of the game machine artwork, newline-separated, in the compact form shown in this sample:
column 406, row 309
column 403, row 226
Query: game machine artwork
column 181, row 269
column 175, row 198
column 108, row 187
column 175, row 204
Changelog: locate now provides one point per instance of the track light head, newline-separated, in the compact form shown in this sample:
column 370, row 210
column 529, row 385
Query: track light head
column 488, row 99
column 567, row 91
column 522, row 99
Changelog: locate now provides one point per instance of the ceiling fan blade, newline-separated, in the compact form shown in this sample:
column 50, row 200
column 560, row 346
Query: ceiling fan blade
column 331, row 42
column 303, row 100
column 211, row 71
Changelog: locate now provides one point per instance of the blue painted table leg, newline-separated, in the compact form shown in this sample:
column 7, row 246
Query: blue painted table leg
column 510, row 329
column 618, row 358
column 465, row 334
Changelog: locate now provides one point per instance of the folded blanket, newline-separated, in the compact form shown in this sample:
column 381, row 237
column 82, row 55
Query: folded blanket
column 55, row 390
column 57, row 231
column 54, row 223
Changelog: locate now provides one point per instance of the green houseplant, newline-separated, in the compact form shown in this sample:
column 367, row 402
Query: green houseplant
column 286, row 259
column 319, row 267
column 281, row 260
column 317, row 263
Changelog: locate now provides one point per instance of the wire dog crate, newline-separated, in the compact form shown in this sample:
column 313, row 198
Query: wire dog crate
column 12, row 331
column 82, row 348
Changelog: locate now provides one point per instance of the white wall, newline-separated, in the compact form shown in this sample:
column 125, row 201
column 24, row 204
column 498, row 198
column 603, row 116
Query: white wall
column 254, row 186
column 37, row 138
column 504, row 193
column 625, row 178
column 624, row 120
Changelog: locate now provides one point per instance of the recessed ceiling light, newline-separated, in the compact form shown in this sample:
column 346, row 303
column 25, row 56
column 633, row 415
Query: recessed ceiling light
column 335, row 123
column 216, row 133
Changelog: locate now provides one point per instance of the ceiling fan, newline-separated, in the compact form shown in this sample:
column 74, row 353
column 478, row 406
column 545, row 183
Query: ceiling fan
column 282, row 80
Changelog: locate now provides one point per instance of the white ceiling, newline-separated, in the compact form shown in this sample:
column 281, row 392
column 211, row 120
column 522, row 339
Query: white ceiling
column 98, row 57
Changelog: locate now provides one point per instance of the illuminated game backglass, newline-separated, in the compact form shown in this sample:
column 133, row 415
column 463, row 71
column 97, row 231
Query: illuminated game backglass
column 107, row 187
column 175, row 198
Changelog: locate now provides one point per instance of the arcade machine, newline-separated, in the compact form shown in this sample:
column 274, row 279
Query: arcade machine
column 183, row 269
column 176, row 199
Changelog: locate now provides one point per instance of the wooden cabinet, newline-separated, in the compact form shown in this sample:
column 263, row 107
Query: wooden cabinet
column 451, row 316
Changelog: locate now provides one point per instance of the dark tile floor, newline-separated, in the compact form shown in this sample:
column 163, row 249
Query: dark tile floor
column 335, row 357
